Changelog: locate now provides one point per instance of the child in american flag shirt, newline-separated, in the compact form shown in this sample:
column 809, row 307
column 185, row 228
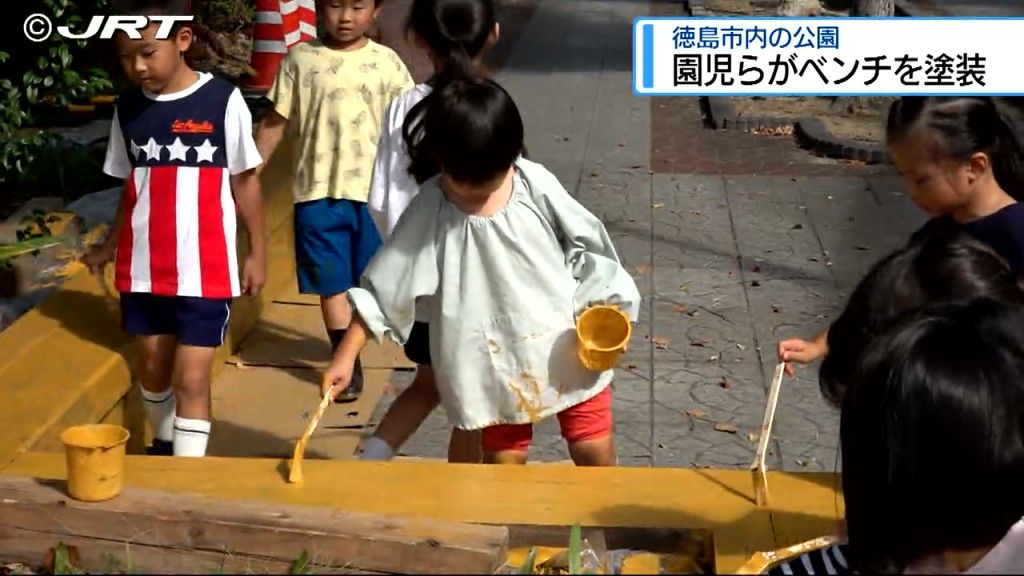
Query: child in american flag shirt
column 182, row 140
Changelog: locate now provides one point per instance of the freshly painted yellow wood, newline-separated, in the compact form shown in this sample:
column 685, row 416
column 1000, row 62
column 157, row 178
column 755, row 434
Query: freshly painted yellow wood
column 718, row 500
column 67, row 361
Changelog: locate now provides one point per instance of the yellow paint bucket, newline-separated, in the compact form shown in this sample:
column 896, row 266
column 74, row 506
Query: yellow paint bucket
column 95, row 460
column 602, row 333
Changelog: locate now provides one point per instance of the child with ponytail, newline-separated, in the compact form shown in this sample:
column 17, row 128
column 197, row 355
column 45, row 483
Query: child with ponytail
column 455, row 34
column 962, row 164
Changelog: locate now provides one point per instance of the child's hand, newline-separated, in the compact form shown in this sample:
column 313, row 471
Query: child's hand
column 339, row 375
column 797, row 350
column 97, row 258
column 254, row 274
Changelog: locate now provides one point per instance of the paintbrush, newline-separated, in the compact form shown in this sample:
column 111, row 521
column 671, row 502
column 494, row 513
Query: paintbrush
column 758, row 467
column 295, row 473
column 760, row 562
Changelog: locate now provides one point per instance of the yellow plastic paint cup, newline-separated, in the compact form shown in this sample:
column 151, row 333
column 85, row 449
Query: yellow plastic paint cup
column 603, row 333
column 95, row 460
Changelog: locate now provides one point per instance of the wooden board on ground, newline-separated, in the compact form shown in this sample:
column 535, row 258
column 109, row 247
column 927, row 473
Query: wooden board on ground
column 262, row 412
column 162, row 532
column 291, row 295
column 293, row 336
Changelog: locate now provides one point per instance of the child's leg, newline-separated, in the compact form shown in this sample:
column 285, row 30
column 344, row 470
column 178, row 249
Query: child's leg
column 506, row 443
column 404, row 416
column 332, row 247
column 464, row 447
column 587, row 427
column 152, row 320
column 202, row 323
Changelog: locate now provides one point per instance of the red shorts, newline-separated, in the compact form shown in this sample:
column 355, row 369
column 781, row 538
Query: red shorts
column 589, row 420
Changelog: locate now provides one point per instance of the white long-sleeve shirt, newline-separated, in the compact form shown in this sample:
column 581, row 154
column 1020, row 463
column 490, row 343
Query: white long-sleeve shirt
column 392, row 187
column 502, row 293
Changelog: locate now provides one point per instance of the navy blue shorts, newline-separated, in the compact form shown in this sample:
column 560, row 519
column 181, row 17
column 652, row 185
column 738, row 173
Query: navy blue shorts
column 417, row 347
column 334, row 242
column 194, row 321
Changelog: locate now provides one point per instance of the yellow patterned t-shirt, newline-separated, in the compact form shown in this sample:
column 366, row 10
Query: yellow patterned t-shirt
column 334, row 101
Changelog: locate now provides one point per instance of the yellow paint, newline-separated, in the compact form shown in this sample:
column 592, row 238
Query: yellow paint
column 716, row 500
column 66, row 362
column 532, row 408
column 645, row 563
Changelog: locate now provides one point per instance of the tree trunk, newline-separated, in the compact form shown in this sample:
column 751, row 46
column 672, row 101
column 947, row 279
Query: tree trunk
column 849, row 104
column 799, row 8
column 873, row 8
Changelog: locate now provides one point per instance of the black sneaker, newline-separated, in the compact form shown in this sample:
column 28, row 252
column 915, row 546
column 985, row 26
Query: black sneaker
column 161, row 448
column 355, row 389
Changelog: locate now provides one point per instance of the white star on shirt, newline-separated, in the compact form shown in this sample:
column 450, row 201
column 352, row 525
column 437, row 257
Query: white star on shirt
column 178, row 150
column 206, row 151
column 135, row 149
column 152, row 150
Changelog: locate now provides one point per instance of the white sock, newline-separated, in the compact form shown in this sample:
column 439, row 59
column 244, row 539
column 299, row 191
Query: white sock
column 375, row 448
column 160, row 407
column 191, row 436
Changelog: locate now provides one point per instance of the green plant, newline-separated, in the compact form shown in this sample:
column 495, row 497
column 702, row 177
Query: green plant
column 54, row 72
column 62, row 561
column 301, row 565
column 223, row 15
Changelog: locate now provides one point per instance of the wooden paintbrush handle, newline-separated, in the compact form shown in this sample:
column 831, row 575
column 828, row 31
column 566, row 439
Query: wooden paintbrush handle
column 319, row 414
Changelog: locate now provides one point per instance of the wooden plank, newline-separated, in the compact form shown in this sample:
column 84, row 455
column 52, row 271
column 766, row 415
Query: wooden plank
column 262, row 411
column 291, row 335
column 95, row 556
column 246, row 530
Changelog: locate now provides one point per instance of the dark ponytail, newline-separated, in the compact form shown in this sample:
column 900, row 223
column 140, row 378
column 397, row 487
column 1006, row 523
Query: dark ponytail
column 961, row 126
column 456, row 31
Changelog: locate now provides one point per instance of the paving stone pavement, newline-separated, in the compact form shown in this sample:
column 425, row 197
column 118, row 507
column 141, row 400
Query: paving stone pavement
column 730, row 257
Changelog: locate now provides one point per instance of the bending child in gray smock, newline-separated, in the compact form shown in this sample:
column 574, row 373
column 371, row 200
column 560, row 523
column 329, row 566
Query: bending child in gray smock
column 503, row 292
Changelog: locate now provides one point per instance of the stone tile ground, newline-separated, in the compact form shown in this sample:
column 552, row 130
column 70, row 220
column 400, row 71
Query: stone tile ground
column 735, row 240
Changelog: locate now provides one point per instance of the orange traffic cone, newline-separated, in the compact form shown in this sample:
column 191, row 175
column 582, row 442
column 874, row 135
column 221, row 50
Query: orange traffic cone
column 307, row 20
column 268, row 44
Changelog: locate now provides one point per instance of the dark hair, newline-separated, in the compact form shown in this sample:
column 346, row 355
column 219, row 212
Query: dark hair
column 474, row 130
column 155, row 8
column 456, row 31
column 932, row 438
column 961, row 126
column 944, row 264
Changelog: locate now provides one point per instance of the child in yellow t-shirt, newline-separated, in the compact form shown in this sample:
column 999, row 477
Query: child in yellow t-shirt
column 330, row 95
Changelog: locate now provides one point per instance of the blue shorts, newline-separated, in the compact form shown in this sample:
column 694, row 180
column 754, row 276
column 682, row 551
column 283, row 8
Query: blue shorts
column 194, row 321
column 334, row 242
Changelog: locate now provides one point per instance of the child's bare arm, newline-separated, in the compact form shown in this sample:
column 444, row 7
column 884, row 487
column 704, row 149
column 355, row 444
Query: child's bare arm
column 249, row 199
column 269, row 134
column 803, row 351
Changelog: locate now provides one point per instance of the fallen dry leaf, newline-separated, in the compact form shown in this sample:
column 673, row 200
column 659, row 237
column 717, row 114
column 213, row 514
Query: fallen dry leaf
column 657, row 205
column 631, row 367
column 725, row 383
column 756, row 269
column 798, row 227
column 660, row 343
column 741, row 346
column 753, row 436
column 725, row 427
column 755, row 284
column 713, row 358
column 696, row 413
column 683, row 309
